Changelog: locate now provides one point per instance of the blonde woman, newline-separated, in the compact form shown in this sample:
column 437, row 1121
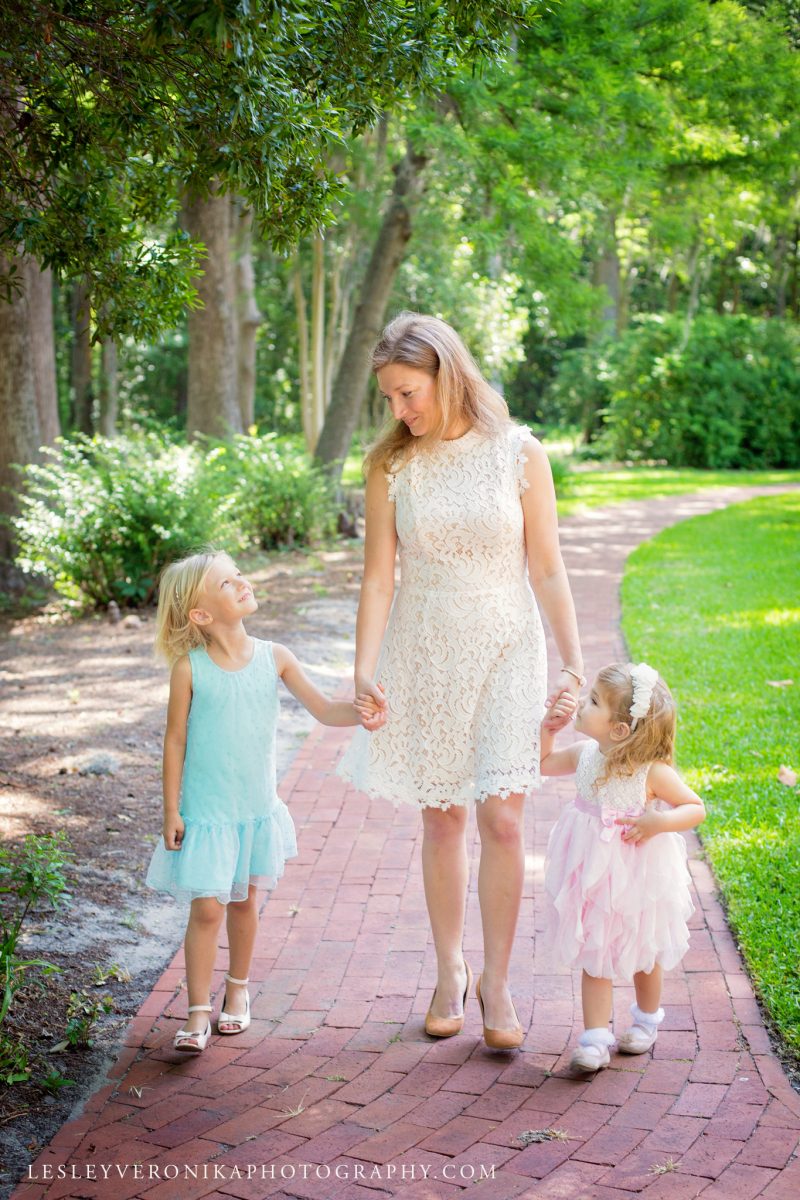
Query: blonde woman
column 456, row 665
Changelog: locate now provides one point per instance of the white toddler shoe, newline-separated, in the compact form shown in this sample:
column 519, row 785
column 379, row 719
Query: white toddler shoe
column 592, row 1050
column 643, row 1033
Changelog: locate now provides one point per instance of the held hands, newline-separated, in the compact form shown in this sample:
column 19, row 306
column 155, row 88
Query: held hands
column 561, row 708
column 370, row 704
column 173, row 831
column 641, row 829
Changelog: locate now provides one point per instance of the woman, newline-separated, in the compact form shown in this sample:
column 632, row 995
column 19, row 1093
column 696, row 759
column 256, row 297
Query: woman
column 460, row 675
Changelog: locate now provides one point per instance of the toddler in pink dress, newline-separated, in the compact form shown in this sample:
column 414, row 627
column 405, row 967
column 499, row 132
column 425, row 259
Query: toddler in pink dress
column 616, row 880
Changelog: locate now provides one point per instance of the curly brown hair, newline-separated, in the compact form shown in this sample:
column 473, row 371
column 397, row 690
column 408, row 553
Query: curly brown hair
column 653, row 739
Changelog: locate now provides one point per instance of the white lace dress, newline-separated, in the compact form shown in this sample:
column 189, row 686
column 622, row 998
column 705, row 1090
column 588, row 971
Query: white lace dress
column 463, row 661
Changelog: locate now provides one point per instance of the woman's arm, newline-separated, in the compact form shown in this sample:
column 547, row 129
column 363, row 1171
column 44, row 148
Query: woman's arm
column 377, row 584
column 328, row 712
column 546, row 568
column 180, row 699
column 688, row 810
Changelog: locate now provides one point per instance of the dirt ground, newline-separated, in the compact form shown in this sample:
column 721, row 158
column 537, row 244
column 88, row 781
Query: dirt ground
column 85, row 696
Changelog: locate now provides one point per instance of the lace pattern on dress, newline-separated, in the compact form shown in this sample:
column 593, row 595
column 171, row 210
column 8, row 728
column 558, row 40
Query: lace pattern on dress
column 521, row 435
column 619, row 793
column 463, row 661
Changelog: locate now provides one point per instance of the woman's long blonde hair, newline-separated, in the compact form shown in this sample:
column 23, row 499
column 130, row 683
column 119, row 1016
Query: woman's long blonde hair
column 653, row 739
column 178, row 592
column 431, row 345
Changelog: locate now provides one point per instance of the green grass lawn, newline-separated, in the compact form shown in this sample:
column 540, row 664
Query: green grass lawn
column 714, row 604
column 591, row 488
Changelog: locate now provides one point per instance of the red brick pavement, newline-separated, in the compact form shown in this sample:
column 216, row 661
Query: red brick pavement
column 335, row 1093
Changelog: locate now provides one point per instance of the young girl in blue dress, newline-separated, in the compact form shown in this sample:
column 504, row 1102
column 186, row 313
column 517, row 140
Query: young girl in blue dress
column 616, row 882
column 226, row 832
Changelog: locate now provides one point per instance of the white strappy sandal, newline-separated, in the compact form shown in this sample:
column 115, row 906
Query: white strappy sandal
column 193, row 1041
column 240, row 1020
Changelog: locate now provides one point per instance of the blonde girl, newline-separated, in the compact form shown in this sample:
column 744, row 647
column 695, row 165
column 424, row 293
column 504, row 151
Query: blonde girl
column 616, row 881
column 457, row 659
column 225, row 832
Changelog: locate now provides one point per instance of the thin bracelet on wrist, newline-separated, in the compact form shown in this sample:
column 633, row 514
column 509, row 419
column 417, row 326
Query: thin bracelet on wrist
column 576, row 674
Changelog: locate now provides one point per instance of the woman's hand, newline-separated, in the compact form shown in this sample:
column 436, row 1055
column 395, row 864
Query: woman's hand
column 371, row 714
column 370, row 703
column 173, row 831
column 562, row 701
column 561, row 711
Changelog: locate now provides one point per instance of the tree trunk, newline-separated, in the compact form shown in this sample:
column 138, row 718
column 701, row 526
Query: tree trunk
column 20, row 431
column 353, row 374
column 319, row 390
column 213, row 406
column 302, row 351
column 248, row 315
column 82, row 395
column 43, row 350
column 696, row 274
column 108, row 390
column 606, row 274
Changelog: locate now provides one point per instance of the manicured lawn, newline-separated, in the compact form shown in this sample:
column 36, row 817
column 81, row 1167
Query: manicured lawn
column 590, row 488
column 714, row 604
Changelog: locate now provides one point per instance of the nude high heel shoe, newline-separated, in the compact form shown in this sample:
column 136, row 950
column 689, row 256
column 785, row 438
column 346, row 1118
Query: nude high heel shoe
column 499, row 1039
column 443, row 1027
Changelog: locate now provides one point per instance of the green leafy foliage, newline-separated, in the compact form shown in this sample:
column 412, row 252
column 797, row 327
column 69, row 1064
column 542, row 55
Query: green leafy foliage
column 276, row 496
column 101, row 518
column 83, row 1013
column 729, row 397
column 712, row 604
column 31, row 874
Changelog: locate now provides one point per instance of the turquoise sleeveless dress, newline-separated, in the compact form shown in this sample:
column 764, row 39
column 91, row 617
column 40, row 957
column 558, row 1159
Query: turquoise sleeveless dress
column 238, row 831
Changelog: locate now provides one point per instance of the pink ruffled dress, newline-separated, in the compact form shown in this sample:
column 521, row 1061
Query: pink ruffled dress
column 614, row 908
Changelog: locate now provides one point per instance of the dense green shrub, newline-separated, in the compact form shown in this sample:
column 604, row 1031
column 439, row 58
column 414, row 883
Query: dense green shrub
column 729, row 398
column 100, row 518
column 275, row 494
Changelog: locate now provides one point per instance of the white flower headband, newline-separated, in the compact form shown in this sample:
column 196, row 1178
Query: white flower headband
column 644, row 680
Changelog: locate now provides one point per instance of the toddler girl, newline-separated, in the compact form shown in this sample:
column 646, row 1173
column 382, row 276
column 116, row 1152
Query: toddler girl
column 225, row 829
column 616, row 880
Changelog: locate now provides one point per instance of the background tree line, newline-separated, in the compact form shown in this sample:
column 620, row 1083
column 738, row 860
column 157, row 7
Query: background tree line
column 208, row 211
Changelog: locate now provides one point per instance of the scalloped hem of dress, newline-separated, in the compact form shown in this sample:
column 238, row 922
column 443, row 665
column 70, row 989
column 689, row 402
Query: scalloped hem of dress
column 464, row 801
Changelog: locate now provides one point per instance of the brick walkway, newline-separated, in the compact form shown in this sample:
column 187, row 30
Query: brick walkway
column 335, row 1093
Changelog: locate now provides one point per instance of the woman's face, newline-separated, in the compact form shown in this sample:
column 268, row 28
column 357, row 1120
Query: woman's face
column 411, row 395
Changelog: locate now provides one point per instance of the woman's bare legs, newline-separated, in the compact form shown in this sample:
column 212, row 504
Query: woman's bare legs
column 445, row 871
column 242, row 928
column 500, row 880
column 200, row 951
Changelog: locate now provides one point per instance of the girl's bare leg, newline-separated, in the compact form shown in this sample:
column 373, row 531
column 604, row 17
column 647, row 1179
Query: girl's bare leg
column 445, row 872
column 242, row 925
column 500, row 880
column 200, row 951
column 648, row 989
column 597, row 997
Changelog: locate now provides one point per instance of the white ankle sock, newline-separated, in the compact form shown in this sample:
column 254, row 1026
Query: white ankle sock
column 648, row 1021
column 600, row 1036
